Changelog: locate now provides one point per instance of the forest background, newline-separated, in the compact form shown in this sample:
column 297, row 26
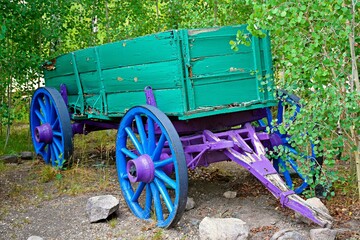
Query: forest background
column 315, row 47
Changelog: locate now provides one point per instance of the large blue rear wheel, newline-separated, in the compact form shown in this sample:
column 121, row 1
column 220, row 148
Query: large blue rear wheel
column 151, row 166
column 292, row 165
column 50, row 127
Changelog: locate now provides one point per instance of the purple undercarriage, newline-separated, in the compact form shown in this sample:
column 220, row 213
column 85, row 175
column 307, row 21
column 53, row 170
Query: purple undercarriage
column 215, row 139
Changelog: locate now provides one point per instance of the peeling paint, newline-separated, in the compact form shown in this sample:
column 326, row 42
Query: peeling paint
column 135, row 79
column 120, row 78
column 199, row 31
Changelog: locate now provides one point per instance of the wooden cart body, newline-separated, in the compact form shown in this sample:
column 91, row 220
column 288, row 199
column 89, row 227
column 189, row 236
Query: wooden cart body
column 193, row 73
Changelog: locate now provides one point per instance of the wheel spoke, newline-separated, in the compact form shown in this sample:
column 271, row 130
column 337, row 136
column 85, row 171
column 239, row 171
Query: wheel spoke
column 129, row 153
column 157, row 202
column 269, row 117
column 165, row 178
column 40, row 116
column 134, row 140
column 162, row 189
column 43, row 108
column 138, row 192
column 57, row 134
column 40, row 147
column 51, row 155
column 141, row 130
column 148, row 199
column 286, row 173
column 280, row 113
column 48, row 108
column 55, row 124
column 151, row 135
column 158, row 150
column 57, row 143
column 163, row 163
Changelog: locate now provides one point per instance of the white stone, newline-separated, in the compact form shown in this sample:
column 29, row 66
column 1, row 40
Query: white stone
column 101, row 207
column 223, row 228
column 35, row 238
column 314, row 202
column 322, row 234
column 190, row 204
column 288, row 234
column 230, row 194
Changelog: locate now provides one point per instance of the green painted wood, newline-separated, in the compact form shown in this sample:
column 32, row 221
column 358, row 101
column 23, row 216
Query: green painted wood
column 194, row 73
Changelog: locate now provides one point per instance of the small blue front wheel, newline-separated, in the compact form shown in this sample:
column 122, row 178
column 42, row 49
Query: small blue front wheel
column 50, row 126
column 151, row 166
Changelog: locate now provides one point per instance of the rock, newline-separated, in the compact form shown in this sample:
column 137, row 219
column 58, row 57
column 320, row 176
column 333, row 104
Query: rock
column 10, row 159
column 230, row 194
column 288, row 234
column 35, row 238
column 101, row 207
column 314, row 202
column 322, row 234
column 190, row 204
column 223, row 228
column 26, row 155
column 194, row 221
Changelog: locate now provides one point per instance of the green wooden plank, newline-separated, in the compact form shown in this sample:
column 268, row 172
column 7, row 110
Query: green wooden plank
column 226, row 64
column 63, row 66
column 134, row 78
column 86, row 60
column 90, row 82
column 205, row 112
column 169, row 101
column 214, row 41
column 148, row 49
column 225, row 93
column 68, row 80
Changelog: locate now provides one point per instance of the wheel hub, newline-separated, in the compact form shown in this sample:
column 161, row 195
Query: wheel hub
column 44, row 133
column 141, row 169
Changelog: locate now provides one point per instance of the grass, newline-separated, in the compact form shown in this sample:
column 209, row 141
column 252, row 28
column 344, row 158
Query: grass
column 113, row 222
column 19, row 141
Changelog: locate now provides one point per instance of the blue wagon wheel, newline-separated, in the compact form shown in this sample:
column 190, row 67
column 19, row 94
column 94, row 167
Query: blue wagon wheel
column 151, row 166
column 288, row 166
column 50, row 126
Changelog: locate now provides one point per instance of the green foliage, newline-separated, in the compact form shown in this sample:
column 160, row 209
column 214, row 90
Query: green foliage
column 310, row 43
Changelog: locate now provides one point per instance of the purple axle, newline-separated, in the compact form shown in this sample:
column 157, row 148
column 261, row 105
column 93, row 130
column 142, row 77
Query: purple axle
column 43, row 133
column 141, row 169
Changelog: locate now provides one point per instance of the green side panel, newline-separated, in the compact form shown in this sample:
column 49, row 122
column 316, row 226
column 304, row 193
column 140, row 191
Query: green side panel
column 168, row 100
column 221, row 77
column 159, row 47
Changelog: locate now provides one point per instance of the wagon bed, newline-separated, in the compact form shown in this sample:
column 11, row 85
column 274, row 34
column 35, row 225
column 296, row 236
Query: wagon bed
column 193, row 73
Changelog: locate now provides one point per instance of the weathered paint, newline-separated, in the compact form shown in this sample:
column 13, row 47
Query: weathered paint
column 193, row 73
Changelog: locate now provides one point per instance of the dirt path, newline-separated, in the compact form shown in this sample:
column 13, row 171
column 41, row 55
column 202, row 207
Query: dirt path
column 60, row 216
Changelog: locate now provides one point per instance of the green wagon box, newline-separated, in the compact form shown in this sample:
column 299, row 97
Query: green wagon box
column 193, row 73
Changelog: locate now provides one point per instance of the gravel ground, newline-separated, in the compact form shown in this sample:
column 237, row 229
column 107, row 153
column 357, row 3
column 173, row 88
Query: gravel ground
column 64, row 217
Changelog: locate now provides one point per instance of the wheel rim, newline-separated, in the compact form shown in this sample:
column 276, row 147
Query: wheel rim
column 50, row 127
column 289, row 166
column 156, row 147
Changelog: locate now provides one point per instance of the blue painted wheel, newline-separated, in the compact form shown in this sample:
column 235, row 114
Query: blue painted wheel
column 50, row 127
column 288, row 166
column 151, row 166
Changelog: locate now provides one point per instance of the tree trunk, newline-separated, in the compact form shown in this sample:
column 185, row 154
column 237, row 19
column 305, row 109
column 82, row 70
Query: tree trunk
column 356, row 88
